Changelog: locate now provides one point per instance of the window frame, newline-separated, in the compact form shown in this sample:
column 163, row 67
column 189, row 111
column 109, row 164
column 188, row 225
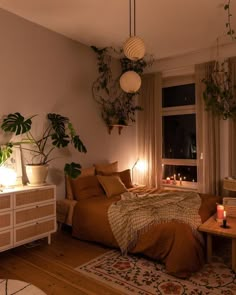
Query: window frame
column 179, row 110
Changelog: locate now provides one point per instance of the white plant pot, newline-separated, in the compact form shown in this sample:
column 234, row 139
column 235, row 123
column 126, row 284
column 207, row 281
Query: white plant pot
column 36, row 174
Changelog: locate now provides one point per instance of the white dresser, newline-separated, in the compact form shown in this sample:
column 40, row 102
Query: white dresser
column 27, row 214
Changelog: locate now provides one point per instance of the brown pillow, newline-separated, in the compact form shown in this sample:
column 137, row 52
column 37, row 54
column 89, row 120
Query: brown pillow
column 125, row 177
column 106, row 168
column 112, row 185
column 84, row 172
column 86, row 187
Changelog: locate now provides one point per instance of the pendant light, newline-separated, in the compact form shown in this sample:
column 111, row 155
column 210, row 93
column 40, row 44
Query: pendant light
column 130, row 82
column 134, row 48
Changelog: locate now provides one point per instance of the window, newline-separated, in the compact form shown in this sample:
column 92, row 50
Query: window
column 179, row 152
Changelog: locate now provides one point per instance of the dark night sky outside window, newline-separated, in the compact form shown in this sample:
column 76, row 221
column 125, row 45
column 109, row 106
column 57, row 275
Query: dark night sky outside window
column 179, row 132
column 178, row 95
column 179, row 137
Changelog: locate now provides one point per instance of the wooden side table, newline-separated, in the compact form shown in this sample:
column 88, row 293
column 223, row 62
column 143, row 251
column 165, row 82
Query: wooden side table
column 212, row 227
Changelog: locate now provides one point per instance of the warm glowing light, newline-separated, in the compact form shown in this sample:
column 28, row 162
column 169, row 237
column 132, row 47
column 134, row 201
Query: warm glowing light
column 7, row 176
column 130, row 82
column 141, row 165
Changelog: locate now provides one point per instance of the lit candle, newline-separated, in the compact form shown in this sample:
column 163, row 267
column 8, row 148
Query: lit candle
column 224, row 220
column 167, row 179
column 174, row 182
column 180, row 181
column 220, row 212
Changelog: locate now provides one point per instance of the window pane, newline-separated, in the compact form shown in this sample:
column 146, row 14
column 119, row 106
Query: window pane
column 179, row 137
column 178, row 95
column 188, row 173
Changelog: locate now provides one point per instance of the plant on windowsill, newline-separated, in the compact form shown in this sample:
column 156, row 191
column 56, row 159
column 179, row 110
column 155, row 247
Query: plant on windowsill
column 117, row 107
column 58, row 133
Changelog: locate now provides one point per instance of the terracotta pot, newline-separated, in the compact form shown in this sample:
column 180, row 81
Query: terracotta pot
column 36, row 174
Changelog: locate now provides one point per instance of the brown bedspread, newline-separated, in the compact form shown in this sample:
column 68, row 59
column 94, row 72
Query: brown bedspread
column 172, row 243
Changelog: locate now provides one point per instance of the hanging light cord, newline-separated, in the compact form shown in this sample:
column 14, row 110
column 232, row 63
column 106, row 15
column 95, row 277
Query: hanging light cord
column 130, row 18
column 134, row 18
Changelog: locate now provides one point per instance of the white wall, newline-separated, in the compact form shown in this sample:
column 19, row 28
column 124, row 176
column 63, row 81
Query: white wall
column 42, row 71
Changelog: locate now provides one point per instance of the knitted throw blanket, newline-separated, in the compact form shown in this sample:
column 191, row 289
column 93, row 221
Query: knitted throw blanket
column 132, row 214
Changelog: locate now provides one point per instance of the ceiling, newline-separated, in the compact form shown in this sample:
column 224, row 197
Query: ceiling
column 168, row 27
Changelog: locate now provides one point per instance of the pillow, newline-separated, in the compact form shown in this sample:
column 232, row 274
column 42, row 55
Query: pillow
column 86, row 187
column 106, row 168
column 87, row 171
column 125, row 177
column 84, row 172
column 112, row 185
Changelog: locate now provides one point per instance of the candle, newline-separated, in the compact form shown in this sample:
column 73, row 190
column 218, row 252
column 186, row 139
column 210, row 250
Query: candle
column 167, row 179
column 220, row 212
column 224, row 220
column 180, row 181
column 174, row 182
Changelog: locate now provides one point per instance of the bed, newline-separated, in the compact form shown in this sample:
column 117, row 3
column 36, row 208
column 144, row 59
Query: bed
column 171, row 242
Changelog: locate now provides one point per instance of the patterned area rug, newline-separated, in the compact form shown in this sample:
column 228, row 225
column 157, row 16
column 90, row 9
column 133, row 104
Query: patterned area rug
column 135, row 275
column 10, row 287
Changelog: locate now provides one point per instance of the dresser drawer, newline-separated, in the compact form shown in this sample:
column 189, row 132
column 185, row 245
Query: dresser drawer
column 6, row 220
column 33, row 196
column 5, row 202
column 6, row 240
column 34, row 231
column 37, row 212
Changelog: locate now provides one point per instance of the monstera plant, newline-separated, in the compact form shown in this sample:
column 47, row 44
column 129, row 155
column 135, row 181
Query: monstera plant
column 58, row 133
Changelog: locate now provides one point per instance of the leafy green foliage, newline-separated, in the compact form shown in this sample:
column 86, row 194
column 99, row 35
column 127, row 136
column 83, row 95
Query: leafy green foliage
column 230, row 31
column 117, row 107
column 219, row 94
column 16, row 123
column 5, row 152
column 78, row 144
column 73, row 170
column 59, row 133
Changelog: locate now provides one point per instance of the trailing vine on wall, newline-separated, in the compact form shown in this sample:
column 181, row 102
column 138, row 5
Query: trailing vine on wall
column 220, row 91
column 117, row 107
column 230, row 30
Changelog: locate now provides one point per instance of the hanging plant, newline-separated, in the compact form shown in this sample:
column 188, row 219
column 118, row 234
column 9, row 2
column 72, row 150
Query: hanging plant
column 117, row 106
column 219, row 94
column 230, row 30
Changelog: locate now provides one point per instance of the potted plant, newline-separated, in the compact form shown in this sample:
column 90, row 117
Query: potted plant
column 219, row 93
column 117, row 107
column 58, row 133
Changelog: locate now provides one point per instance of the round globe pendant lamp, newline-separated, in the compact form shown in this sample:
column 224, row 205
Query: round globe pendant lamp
column 130, row 82
column 134, row 48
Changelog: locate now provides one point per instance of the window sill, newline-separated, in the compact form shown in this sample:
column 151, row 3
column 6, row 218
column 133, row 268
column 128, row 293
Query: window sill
column 186, row 185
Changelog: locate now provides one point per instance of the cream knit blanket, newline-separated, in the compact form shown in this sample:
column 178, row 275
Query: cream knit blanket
column 133, row 214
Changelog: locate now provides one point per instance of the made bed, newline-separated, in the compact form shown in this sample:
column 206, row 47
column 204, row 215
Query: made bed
column 141, row 216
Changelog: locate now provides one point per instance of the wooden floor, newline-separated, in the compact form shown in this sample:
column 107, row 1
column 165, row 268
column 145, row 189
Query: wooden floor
column 51, row 267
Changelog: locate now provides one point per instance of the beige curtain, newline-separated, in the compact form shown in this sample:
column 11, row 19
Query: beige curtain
column 149, row 137
column 208, row 137
column 232, row 124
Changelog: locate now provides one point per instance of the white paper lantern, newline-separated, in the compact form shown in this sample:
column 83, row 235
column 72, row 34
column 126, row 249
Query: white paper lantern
column 134, row 48
column 130, row 82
